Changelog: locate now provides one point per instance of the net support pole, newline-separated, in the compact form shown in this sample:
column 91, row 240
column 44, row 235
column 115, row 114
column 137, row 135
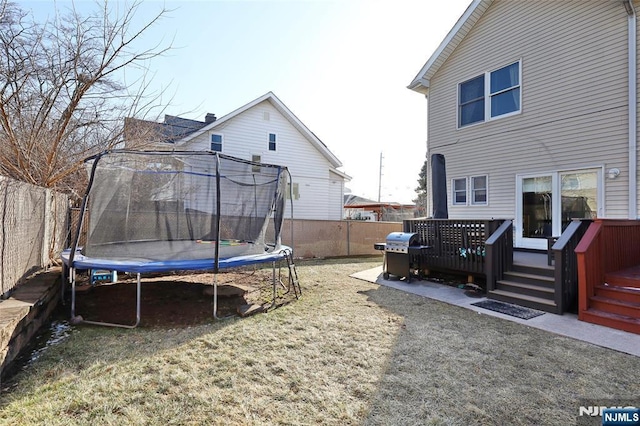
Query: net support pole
column 216, row 260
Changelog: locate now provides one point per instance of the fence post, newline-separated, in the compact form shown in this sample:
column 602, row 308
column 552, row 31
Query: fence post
column 46, row 238
column 348, row 238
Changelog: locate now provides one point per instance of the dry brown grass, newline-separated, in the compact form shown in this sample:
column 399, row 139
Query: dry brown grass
column 348, row 352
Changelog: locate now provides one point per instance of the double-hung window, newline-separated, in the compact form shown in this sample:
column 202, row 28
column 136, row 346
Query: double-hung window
column 293, row 189
column 490, row 95
column 471, row 101
column 272, row 141
column 471, row 190
column 256, row 159
column 478, row 190
column 216, row 142
column 460, row 191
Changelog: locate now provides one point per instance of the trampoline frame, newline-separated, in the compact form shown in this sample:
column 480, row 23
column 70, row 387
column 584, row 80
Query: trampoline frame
column 80, row 261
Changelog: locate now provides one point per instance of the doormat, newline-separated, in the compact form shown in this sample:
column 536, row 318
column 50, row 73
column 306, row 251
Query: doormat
column 508, row 309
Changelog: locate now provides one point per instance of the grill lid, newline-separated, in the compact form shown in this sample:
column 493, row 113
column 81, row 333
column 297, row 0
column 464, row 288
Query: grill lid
column 400, row 242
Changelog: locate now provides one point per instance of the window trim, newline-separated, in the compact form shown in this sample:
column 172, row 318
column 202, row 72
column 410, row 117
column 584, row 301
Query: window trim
column 275, row 141
column 488, row 96
column 221, row 141
column 473, row 190
column 255, row 158
column 484, row 101
column 293, row 188
column 454, row 200
column 469, row 191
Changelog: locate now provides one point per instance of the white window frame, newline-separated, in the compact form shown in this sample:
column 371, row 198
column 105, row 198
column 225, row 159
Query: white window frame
column 484, row 99
column 488, row 95
column 221, row 141
column 255, row 158
column 454, row 200
column 292, row 189
column 473, row 190
column 275, row 142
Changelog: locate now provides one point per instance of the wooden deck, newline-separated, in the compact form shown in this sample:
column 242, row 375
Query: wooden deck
column 485, row 248
column 609, row 274
column 530, row 258
column 528, row 282
column 629, row 277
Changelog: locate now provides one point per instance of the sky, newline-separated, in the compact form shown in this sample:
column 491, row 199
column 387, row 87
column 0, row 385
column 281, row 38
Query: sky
column 341, row 66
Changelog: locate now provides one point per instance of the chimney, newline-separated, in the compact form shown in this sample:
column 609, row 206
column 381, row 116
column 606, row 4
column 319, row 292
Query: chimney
column 209, row 118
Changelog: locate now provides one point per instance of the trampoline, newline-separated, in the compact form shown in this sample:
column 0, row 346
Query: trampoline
column 163, row 211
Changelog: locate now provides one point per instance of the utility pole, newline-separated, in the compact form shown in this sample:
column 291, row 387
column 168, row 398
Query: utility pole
column 380, row 178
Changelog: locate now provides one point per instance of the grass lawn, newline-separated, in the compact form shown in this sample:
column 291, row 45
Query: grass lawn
column 348, row 352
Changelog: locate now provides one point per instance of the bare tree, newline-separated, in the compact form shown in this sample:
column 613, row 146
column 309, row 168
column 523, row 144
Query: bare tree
column 421, row 190
column 62, row 95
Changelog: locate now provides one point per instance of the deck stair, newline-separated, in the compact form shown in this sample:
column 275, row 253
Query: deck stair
column 616, row 302
column 527, row 285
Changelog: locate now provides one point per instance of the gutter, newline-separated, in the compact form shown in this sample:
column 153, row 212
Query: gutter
column 633, row 102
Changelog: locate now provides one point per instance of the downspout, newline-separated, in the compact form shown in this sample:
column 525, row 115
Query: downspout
column 633, row 102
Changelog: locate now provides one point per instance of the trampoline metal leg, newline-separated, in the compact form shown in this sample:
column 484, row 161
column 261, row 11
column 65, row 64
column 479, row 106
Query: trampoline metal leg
column 215, row 296
column 138, row 294
column 215, row 300
column 72, row 278
column 110, row 324
column 275, row 289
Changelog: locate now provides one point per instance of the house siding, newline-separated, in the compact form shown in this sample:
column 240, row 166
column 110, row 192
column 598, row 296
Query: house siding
column 246, row 135
column 574, row 100
column 336, row 195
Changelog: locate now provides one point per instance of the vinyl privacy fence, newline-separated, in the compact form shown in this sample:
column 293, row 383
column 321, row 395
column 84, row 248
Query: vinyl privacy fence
column 34, row 229
column 309, row 238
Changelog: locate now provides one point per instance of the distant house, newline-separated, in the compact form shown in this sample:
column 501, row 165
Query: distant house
column 359, row 208
column 264, row 130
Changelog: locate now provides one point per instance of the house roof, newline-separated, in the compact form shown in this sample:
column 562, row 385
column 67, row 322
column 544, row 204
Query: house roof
column 286, row 112
column 355, row 201
column 459, row 31
column 175, row 128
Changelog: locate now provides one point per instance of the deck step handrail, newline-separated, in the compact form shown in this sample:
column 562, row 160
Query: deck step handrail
column 499, row 252
column 566, row 264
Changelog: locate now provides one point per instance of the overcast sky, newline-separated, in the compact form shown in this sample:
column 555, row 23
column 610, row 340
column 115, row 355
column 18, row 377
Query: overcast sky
column 341, row 66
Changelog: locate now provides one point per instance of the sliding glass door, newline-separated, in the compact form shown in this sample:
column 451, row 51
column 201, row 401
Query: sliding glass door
column 546, row 204
column 579, row 195
column 534, row 222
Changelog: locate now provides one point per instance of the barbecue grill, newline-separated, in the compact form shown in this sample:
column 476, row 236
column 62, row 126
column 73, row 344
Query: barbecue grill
column 401, row 254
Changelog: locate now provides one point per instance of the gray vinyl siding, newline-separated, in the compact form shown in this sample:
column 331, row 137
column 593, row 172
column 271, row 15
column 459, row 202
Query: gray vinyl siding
column 247, row 134
column 574, row 100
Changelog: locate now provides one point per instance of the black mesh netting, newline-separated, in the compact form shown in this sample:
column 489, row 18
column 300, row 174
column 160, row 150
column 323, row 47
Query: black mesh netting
column 158, row 206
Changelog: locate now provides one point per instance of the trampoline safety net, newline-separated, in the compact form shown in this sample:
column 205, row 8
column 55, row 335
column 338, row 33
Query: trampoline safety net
column 161, row 206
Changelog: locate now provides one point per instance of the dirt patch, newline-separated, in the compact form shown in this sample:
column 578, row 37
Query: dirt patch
column 176, row 300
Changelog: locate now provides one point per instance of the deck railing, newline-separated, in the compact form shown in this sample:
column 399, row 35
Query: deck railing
column 566, row 264
column 499, row 253
column 608, row 245
column 456, row 245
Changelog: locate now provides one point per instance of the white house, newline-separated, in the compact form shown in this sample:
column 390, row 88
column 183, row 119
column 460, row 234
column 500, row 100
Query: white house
column 265, row 130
